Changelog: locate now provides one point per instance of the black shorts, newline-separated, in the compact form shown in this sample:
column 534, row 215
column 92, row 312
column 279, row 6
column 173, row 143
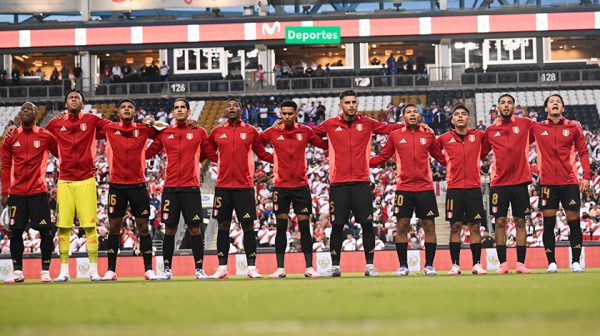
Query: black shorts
column 517, row 196
column 27, row 209
column 568, row 196
column 181, row 200
column 241, row 200
column 422, row 203
column 300, row 197
column 464, row 205
column 121, row 195
column 355, row 197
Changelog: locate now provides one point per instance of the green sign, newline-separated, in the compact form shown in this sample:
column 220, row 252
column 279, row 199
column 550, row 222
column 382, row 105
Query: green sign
column 313, row 35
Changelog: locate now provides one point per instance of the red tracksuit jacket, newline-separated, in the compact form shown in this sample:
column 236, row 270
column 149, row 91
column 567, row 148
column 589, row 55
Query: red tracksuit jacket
column 76, row 136
column 350, row 146
column 24, row 161
column 236, row 145
column 557, row 146
column 412, row 150
column 289, row 145
column 509, row 141
column 463, row 159
column 184, row 147
column 126, row 151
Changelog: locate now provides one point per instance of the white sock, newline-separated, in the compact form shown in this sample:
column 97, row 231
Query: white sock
column 251, row 268
column 93, row 268
column 369, row 265
column 64, row 269
column 223, row 268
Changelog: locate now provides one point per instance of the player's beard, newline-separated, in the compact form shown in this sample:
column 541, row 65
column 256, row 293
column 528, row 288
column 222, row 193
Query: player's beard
column 506, row 116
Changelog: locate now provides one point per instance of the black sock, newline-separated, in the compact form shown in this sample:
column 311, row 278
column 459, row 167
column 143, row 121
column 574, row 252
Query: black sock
column 335, row 245
column 168, row 249
column 306, row 241
column 521, row 253
column 197, row 244
column 369, row 241
column 549, row 239
column 455, row 253
column 430, row 253
column 223, row 247
column 575, row 238
column 146, row 250
column 501, row 250
column 476, row 253
column 16, row 249
column 112, row 248
column 249, row 242
column 281, row 241
column 402, row 251
column 46, row 246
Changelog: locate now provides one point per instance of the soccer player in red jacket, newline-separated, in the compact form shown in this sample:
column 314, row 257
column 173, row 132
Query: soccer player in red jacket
column 289, row 143
column 464, row 201
column 558, row 141
column 125, row 151
column 349, row 136
column 181, row 194
column 508, row 138
column 236, row 142
column 24, row 159
column 412, row 146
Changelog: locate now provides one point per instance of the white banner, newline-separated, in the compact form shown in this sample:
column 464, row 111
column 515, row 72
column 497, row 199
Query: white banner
column 414, row 260
column 323, row 261
column 37, row 6
column 123, row 5
column 492, row 259
column 6, row 268
column 83, row 268
column 241, row 266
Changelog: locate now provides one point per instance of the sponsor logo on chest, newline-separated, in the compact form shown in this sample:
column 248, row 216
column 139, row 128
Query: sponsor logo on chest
column 189, row 136
column 83, row 127
column 243, row 136
column 299, row 137
column 423, row 141
column 37, row 143
column 472, row 137
column 359, row 127
column 223, row 136
column 516, row 129
column 136, row 133
column 565, row 133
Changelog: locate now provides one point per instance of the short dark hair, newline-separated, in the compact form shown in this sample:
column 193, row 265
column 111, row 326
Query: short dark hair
column 289, row 103
column 33, row 106
column 348, row 93
column 461, row 107
column 554, row 95
column 187, row 103
column 239, row 102
column 126, row 100
column 75, row 90
column 506, row 95
column 407, row 106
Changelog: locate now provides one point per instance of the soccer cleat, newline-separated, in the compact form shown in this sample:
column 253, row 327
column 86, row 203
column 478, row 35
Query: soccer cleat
column 478, row 269
column 370, row 270
column 576, row 267
column 402, row 271
column 95, row 277
column 333, row 271
column 16, row 277
column 109, row 276
column 150, row 275
column 200, row 275
column 62, row 278
column 455, row 270
column 552, row 268
column 220, row 274
column 503, row 269
column 311, row 273
column 279, row 273
column 429, row 271
column 521, row 268
column 253, row 273
column 45, row 276
column 165, row 275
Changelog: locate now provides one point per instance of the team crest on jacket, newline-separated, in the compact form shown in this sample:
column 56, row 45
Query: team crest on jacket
column 359, row 127
column 566, row 133
column 243, row 136
column 83, row 126
column 423, row 141
column 136, row 133
column 189, row 136
column 516, row 129
column 299, row 137
column 472, row 137
column 36, row 143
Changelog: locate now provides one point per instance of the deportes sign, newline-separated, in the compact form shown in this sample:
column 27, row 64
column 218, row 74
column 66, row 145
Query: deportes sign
column 313, row 35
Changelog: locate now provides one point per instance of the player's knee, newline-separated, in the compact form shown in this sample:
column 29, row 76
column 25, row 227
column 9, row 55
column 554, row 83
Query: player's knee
column 143, row 229
column 474, row 228
column 170, row 231
column 46, row 233
column 402, row 228
column 15, row 233
column 455, row 227
column 194, row 230
column 224, row 226
column 283, row 216
column 302, row 217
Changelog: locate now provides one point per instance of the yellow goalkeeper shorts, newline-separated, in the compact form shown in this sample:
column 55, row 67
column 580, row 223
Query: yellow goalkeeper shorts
column 80, row 197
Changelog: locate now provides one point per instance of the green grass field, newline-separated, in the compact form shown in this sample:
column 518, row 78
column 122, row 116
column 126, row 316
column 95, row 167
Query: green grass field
column 537, row 304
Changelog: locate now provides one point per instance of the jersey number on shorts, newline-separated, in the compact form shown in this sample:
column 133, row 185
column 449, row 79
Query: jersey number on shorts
column 399, row 200
column 495, row 199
